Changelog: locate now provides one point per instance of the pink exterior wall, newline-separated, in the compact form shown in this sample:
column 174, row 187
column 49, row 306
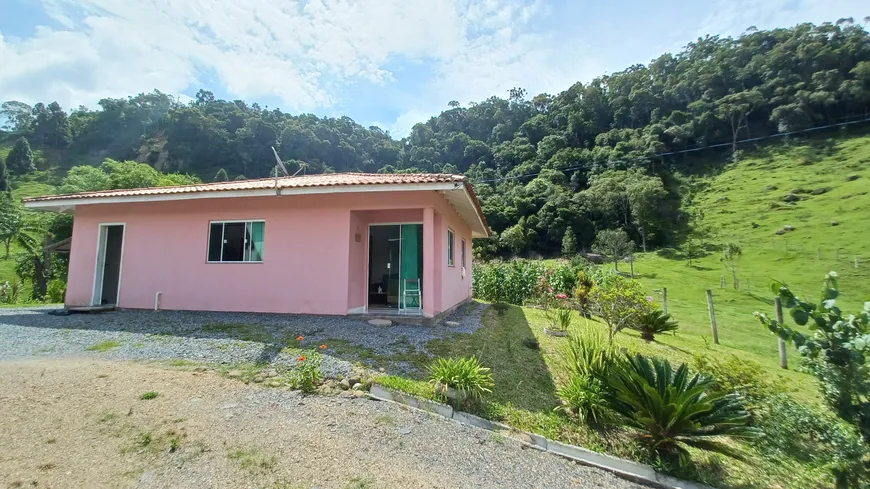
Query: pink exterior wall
column 312, row 262
column 454, row 287
column 356, row 294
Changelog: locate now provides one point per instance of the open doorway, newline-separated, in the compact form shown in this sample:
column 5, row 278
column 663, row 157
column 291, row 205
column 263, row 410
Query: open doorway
column 395, row 267
column 107, row 279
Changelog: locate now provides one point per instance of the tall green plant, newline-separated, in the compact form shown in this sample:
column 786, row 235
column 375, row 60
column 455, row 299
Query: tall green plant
column 675, row 409
column 465, row 375
column 835, row 349
column 651, row 323
column 588, row 354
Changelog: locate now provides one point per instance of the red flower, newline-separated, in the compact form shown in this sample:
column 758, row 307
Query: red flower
column 300, row 338
column 301, row 359
column 322, row 347
column 561, row 296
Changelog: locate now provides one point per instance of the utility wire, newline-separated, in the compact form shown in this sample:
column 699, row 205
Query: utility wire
column 700, row 148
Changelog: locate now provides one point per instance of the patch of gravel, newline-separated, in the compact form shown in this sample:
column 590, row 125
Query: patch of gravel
column 214, row 337
column 65, row 414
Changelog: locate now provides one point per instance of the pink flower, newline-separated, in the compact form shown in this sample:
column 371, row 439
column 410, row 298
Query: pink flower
column 551, row 290
column 649, row 298
column 561, row 296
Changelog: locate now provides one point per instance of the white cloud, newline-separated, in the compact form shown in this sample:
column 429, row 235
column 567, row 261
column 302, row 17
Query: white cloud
column 310, row 54
column 732, row 17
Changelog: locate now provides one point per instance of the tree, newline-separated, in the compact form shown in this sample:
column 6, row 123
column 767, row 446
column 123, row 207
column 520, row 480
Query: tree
column 618, row 301
column 4, row 177
column 569, row 243
column 84, row 178
column 19, row 161
column 836, row 349
column 514, row 238
column 730, row 255
column 13, row 228
column 735, row 109
column 221, row 176
column 613, row 243
column 18, row 116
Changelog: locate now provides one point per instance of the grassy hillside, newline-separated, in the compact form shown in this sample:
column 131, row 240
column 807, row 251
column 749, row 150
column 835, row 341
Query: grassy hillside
column 746, row 204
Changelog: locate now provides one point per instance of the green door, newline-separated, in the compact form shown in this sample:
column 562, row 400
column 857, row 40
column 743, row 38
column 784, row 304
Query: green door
column 411, row 270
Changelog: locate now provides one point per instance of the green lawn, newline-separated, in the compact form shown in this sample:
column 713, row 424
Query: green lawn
column 735, row 199
column 526, row 380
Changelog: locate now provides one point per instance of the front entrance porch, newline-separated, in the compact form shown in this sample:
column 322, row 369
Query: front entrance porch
column 395, row 268
column 392, row 262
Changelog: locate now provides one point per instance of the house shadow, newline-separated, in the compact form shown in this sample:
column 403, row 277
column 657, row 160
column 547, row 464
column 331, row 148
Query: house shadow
column 507, row 345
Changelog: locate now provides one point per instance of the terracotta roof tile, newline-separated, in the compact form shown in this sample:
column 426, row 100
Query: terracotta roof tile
column 322, row 180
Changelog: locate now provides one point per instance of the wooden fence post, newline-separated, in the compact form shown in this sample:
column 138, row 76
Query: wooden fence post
column 631, row 258
column 783, row 357
column 712, row 316
column 665, row 300
column 748, row 287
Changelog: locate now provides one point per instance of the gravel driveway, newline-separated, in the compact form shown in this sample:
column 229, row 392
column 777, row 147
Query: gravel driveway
column 83, row 423
column 211, row 337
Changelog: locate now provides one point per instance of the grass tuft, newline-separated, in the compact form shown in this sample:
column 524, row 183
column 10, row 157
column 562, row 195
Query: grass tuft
column 104, row 346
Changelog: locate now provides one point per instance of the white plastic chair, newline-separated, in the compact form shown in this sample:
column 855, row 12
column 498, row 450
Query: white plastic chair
column 412, row 291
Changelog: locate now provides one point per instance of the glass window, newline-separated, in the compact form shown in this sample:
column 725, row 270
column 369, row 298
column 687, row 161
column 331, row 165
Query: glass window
column 236, row 241
column 449, row 247
column 462, row 253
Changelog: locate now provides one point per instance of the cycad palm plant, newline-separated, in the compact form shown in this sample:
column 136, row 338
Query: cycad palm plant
column 675, row 409
column 651, row 323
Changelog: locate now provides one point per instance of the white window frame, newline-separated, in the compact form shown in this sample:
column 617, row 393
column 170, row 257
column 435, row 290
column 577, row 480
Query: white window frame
column 451, row 248
column 462, row 252
column 237, row 221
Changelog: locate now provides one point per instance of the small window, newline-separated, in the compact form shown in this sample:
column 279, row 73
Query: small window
column 236, row 241
column 449, row 247
column 462, row 252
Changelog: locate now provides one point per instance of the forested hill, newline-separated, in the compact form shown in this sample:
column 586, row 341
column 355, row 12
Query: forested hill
column 595, row 156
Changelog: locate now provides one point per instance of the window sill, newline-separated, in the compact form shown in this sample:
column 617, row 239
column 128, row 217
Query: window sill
column 234, row 263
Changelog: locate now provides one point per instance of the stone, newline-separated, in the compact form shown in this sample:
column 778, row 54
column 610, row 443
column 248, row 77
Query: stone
column 380, row 322
column 357, row 386
column 523, row 437
column 230, row 405
column 451, row 324
column 234, row 374
column 345, row 394
column 258, row 379
column 788, row 228
column 835, row 223
column 268, row 373
column 359, row 393
column 780, row 231
column 754, row 225
column 404, row 431
column 382, row 370
column 354, row 379
column 274, row 383
column 345, row 383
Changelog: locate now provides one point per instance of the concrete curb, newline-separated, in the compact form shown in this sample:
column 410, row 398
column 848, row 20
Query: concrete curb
column 634, row 471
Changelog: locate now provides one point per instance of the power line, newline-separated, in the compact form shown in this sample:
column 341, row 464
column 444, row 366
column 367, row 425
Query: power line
column 691, row 150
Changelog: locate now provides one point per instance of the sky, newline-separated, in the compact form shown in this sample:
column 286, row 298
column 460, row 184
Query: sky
column 390, row 63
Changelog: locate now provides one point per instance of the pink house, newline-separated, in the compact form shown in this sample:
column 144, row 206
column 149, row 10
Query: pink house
column 340, row 244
